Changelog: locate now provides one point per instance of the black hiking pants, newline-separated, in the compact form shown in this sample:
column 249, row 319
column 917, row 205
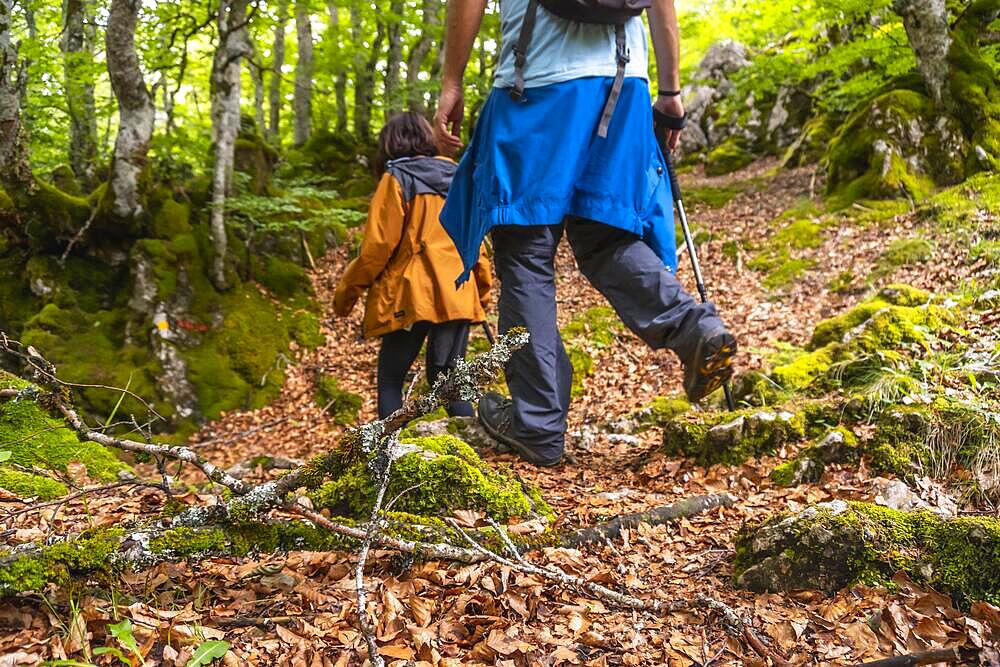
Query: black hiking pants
column 446, row 344
column 646, row 295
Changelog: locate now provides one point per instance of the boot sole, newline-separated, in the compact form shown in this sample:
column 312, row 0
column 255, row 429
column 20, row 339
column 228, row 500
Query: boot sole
column 715, row 367
column 508, row 444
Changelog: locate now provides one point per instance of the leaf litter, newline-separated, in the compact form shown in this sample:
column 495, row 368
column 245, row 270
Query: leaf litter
column 301, row 612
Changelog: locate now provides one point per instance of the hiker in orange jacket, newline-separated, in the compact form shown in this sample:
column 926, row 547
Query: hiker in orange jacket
column 408, row 265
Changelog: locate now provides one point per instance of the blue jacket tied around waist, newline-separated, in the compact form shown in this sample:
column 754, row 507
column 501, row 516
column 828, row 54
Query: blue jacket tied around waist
column 536, row 161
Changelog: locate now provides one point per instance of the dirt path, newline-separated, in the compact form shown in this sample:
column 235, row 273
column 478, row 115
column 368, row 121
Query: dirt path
column 485, row 614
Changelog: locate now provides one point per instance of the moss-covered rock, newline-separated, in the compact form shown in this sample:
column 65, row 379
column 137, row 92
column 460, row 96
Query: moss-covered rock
column 339, row 157
column 832, row 545
column 661, row 410
column 889, row 147
column 733, row 437
column 341, row 404
column 838, row 446
column 729, row 156
column 60, row 564
column 436, row 476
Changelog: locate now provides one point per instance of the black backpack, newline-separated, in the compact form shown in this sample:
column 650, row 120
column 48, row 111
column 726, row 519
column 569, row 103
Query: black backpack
column 605, row 12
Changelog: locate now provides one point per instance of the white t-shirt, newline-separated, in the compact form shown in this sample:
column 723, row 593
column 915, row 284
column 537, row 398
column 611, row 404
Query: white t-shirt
column 561, row 50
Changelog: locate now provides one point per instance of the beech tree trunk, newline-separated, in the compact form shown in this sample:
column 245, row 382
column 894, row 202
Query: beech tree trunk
column 78, row 63
column 339, row 71
column 418, row 55
column 233, row 46
column 364, row 73
column 135, row 108
column 14, row 166
column 394, row 29
column 278, row 61
column 926, row 23
column 303, row 73
column 257, row 76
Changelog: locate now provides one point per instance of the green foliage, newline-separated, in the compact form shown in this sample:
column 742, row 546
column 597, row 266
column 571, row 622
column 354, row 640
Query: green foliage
column 727, row 157
column 586, row 336
column 208, row 652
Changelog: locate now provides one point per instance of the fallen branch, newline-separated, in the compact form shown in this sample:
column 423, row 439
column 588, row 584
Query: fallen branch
column 955, row 654
column 665, row 514
column 8, row 393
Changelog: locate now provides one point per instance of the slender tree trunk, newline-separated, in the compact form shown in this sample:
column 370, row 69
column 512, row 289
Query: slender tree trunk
column 78, row 61
column 926, row 23
column 364, row 73
column 340, row 73
column 135, row 108
column 278, row 61
column 14, row 166
column 257, row 76
column 418, row 55
column 394, row 30
column 303, row 73
column 233, row 46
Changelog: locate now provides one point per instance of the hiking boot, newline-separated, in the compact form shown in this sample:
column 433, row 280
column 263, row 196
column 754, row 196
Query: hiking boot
column 711, row 366
column 495, row 414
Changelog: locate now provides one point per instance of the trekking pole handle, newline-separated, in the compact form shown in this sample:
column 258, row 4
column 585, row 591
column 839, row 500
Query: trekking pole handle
column 675, row 185
column 662, row 123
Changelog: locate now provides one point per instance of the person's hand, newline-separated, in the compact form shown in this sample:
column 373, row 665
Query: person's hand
column 448, row 118
column 671, row 106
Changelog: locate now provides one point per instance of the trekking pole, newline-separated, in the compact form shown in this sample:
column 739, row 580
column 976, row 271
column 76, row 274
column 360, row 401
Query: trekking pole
column 662, row 122
column 489, row 334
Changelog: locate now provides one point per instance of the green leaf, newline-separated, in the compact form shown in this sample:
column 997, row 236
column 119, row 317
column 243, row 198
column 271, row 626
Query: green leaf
column 101, row 650
column 5, row 454
column 208, row 652
column 123, row 633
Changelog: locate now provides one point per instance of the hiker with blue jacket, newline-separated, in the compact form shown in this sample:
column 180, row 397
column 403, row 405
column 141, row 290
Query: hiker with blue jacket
column 565, row 144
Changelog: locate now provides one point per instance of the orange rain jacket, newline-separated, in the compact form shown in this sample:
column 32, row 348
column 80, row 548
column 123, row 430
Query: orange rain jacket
column 408, row 263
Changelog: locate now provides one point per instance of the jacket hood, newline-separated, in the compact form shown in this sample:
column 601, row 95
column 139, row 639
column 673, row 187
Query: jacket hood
column 422, row 175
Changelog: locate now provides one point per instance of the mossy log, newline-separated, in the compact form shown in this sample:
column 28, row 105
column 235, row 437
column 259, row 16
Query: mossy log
column 832, row 545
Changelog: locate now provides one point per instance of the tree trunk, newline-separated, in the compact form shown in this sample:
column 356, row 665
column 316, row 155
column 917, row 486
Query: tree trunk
column 78, row 61
column 340, row 74
column 135, row 108
column 303, row 73
column 394, row 30
column 14, row 166
column 257, row 76
column 233, row 46
column 364, row 73
column 278, row 61
column 926, row 23
column 418, row 55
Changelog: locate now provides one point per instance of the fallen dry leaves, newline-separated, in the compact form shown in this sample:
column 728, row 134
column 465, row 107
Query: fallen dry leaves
column 300, row 610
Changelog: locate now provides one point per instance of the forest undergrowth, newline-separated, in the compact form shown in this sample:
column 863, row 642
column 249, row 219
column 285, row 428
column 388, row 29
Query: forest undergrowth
column 775, row 263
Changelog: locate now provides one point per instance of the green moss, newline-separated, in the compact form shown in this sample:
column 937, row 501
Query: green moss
column 341, row 404
column 586, row 335
column 58, row 564
column 447, row 475
column 283, row 278
column 53, row 214
column 17, row 303
column 834, row 545
column 839, row 445
column 788, row 272
column 733, row 437
column 906, row 300
column 36, row 439
column 304, row 328
column 6, row 203
column 903, row 252
column 800, row 234
column 172, row 218
column 866, row 157
column 727, row 157
column 26, row 485
column 711, row 196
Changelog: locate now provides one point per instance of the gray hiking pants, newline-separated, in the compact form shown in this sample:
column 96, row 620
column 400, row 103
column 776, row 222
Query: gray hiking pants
column 646, row 295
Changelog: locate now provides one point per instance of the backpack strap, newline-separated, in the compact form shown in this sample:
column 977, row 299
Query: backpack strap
column 621, row 58
column 521, row 49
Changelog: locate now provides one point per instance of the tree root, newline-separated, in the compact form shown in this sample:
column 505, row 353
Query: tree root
column 955, row 654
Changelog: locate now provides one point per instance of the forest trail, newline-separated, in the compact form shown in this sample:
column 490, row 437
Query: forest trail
column 515, row 615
